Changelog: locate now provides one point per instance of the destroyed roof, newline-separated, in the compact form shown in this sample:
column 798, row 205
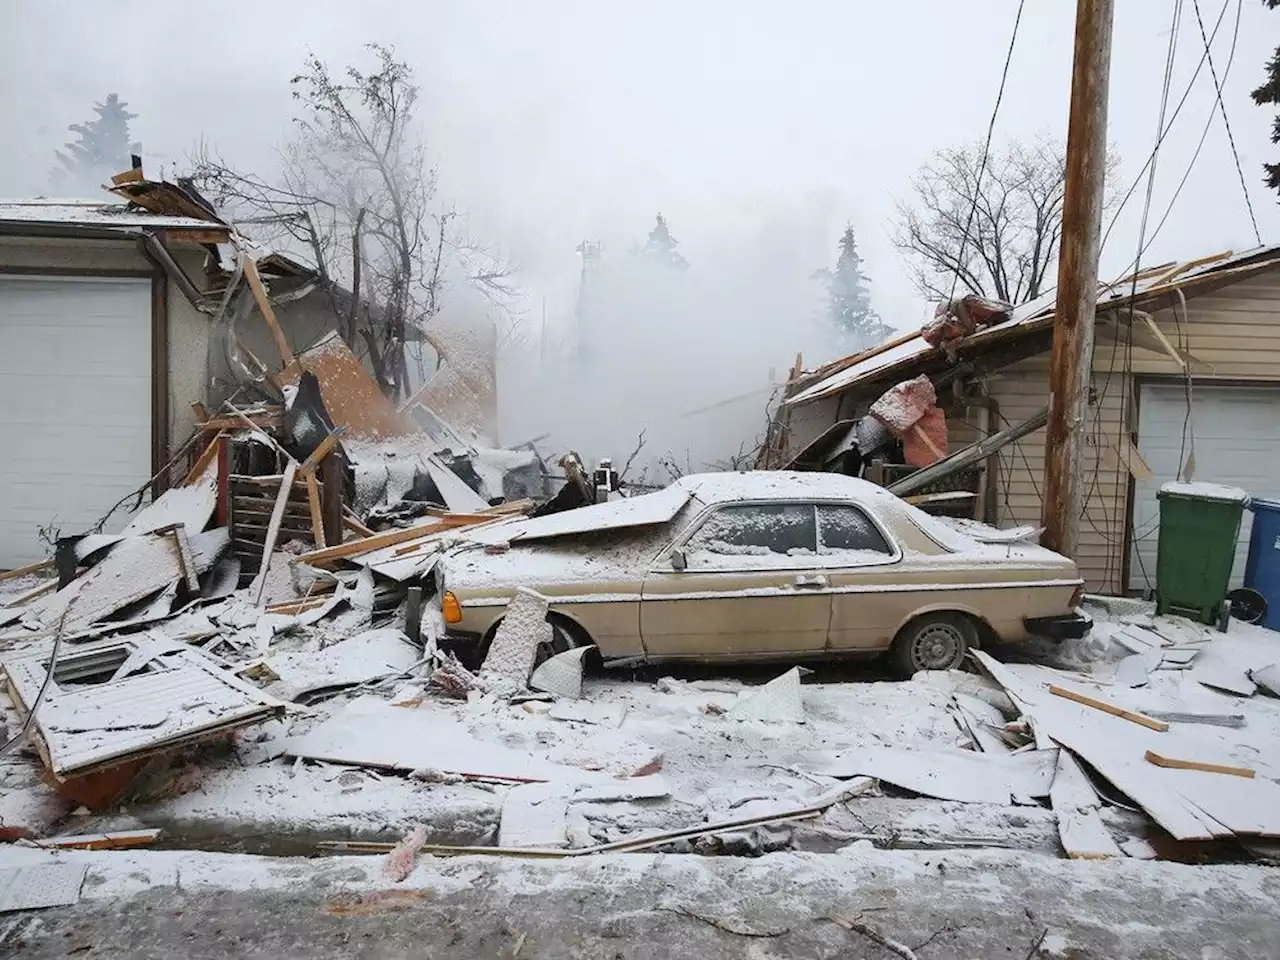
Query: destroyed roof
column 901, row 357
column 94, row 213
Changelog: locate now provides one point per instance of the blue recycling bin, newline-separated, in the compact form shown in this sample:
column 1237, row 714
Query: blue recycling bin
column 1262, row 570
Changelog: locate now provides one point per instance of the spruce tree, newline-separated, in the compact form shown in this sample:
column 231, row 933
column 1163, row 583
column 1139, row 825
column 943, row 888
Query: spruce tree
column 1269, row 92
column 102, row 147
column 849, row 297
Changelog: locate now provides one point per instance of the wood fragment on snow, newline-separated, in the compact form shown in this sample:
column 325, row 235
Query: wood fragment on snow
column 1111, row 708
column 1175, row 764
column 273, row 531
column 29, row 568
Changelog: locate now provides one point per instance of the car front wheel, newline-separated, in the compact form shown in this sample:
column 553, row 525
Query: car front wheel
column 935, row 641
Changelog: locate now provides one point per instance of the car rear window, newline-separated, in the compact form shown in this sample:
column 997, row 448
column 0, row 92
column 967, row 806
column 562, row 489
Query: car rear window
column 849, row 531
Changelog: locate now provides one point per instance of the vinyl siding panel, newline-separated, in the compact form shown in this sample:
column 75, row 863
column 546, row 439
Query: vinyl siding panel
column 1236, row 331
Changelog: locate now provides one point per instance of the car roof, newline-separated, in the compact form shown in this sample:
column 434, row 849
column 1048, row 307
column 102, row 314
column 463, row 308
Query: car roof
column 712, row 488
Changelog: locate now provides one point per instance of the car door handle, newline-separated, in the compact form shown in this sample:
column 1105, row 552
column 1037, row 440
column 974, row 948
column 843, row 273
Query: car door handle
column 811, row 580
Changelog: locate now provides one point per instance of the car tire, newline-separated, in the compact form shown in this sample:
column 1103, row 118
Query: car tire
column 935, row 641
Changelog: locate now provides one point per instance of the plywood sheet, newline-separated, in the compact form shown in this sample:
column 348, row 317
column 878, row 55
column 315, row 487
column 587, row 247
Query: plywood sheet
column 350, row 393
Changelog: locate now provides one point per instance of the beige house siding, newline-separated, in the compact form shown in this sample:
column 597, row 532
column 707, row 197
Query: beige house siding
column 1235, row 330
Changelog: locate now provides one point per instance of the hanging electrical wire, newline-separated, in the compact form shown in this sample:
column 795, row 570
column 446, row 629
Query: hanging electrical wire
column 1165, row 132
column 1225, row 122
column 986, row 147
column 1204, row 134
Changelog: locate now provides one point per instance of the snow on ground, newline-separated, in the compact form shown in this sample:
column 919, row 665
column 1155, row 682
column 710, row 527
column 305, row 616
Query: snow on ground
column 716, row 767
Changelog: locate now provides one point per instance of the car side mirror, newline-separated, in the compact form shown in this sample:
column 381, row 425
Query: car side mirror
column 678, row 560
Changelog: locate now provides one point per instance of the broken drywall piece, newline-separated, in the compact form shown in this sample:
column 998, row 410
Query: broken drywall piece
column 364, row 657
column 1268, row 678
column 600, row 714
column 1135, row 670
column 369, row 732
column 515, row 644
column 1213, row 670
column 1075, row 804
column 561, row 674
column 135, row 569
column 458, row 497
column 778, row 701
column 651, row 787
column 982, row 720
column 34, row 886
column 192, row 506
column 971, row 684
column 960, row 775
column 535, row 815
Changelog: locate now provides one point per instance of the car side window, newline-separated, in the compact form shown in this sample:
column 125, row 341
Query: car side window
column 846, row 533
column 753, row 536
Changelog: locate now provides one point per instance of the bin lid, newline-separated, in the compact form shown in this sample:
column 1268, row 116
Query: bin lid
column 1199, row 490
column 1262, row 503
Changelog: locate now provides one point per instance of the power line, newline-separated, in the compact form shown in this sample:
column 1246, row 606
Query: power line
column 986, row 147
column 1176, row 110
column 1225, row 122
column 1204, row 134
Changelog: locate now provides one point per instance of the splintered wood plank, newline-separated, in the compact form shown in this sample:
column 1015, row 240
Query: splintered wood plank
column 313, row 498
column 1174, row 764
column 1131, row 715
column 264, row 305
column 29, row 568
column 273, row 530
column 320, row 452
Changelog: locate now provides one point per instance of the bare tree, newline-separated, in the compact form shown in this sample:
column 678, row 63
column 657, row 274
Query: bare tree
column 356, row 188
column 993, row 231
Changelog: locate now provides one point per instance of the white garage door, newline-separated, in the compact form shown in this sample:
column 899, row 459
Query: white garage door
column 1237, row 442
column 75, row 404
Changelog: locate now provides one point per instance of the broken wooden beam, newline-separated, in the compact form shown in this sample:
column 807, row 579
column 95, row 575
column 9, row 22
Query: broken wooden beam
column 1131, row 715
column 29, row 568
column 273, row 530
column 320, row 452
column 1174, row 764
column 264, row 305
column 969, row 455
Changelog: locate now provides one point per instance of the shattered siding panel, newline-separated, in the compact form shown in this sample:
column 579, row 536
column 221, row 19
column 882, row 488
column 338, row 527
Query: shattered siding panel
column 88, row 725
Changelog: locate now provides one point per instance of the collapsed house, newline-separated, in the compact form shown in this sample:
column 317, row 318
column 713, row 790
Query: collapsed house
column 1185, row 381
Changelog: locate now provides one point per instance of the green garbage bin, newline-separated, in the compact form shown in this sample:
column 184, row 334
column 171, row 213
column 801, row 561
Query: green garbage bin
column 1199, row 528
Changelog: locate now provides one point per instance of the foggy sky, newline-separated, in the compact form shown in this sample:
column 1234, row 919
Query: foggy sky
column 553, row 121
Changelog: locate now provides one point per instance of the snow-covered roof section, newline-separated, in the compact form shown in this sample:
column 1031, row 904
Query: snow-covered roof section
column 95, row 213
column 713, row 488
column 899, row 356
column 644, row 510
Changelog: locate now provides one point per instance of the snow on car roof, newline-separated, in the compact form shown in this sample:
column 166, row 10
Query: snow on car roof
column 771, row 484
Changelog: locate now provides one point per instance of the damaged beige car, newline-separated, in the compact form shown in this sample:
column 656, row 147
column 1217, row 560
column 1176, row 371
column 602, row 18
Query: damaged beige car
column 762, row 566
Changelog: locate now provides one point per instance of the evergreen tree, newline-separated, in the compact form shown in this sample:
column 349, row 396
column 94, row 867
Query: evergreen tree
column 662, row 246
column 1269, row 92
column 849, row 297
column 102, row 147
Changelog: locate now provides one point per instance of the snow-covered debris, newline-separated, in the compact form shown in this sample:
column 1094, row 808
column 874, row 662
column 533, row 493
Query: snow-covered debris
column 561, row 674
column 778, row 701
column 515, row 645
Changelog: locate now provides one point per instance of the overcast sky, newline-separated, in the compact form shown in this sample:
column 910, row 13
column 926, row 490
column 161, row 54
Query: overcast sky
column 552, row 121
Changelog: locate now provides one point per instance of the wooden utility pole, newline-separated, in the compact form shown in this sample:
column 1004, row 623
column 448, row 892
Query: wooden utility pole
column 1077, row 278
